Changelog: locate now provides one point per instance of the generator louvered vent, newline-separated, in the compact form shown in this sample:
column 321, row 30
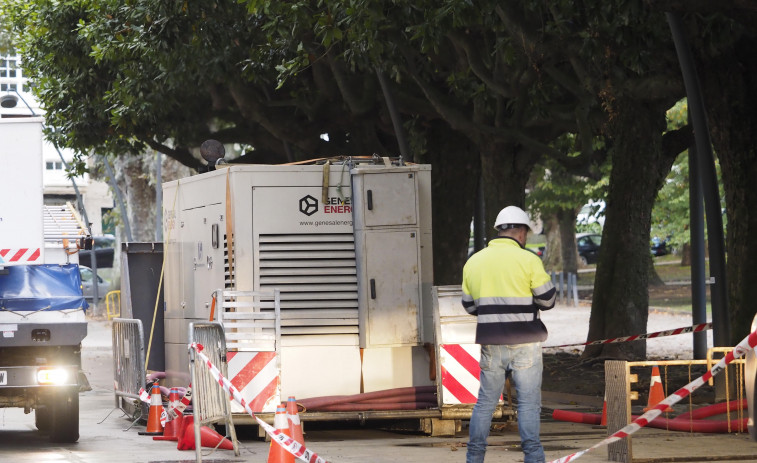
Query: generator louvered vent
column 317, row 277
column 227, row 277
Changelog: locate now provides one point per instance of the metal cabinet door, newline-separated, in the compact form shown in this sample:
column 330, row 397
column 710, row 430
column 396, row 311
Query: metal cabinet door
column 391, row 288
column 389, row 199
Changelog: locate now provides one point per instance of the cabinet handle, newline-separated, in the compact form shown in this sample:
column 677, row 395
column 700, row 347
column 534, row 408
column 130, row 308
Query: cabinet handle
column 373, row 288
column 370, row 200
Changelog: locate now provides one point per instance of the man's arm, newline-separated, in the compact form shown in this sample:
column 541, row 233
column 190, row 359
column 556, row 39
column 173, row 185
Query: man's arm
column 468, row 303
column 545, row 295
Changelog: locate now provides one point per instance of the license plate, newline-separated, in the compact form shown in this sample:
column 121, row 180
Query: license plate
column 3, row 377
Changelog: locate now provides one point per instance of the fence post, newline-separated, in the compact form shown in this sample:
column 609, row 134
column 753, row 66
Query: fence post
column 575, row 289
column 618, row 397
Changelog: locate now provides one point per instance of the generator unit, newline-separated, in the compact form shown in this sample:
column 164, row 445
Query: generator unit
column 347, row 243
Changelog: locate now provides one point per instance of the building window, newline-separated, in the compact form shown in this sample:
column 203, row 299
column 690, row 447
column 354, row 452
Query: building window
column 50, row 165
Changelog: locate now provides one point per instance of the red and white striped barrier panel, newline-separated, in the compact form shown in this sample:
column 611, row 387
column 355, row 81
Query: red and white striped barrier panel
column 19, row 256
column 741, row 349
column 292, row 446
column 256, row 376
column 638, row 337
column 460, row 373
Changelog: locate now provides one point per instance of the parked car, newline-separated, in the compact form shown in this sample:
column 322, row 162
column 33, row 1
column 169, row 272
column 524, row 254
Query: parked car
column 538, row 249
column 588, row 247
column 659, row 247
column 87, row 277
column 104, row 248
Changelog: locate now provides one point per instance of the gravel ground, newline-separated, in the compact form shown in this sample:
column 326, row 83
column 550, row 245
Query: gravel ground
column 570, row 325
column 565, row 373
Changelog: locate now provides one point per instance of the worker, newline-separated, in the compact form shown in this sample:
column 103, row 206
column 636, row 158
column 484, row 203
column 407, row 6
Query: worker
column 506, row 286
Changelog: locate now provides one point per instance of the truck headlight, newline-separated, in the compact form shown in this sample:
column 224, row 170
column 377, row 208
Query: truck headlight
column 52, row 376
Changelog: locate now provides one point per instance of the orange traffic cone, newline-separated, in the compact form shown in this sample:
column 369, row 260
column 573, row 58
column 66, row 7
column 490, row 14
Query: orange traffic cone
column 293, row 417
column 277, row 453
column 656, row 394
column 603, row 421
column 154, row 418
column 172, row 427
column 208, row 437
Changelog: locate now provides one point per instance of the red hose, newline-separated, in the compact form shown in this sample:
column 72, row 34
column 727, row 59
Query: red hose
column 390, row 399
column 360, row 406
column 676, row 424
column 713, row 410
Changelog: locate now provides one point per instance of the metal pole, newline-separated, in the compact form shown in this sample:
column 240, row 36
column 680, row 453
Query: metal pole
column 575, row 289
column 479, row 218
column 696, row 229
column 721, row 325
column 158, row 197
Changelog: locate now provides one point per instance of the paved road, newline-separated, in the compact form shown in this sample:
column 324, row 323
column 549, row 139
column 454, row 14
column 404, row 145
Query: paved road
column 105, row 438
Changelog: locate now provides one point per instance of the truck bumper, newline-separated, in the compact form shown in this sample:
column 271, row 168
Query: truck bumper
column 42, row 376
column 42, row 334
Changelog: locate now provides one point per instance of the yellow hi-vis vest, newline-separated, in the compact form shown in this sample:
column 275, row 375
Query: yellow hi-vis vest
column 505, row 286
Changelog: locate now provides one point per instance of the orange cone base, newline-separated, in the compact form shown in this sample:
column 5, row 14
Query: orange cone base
column 208, row 438
column 171, row 431
column 277, row 454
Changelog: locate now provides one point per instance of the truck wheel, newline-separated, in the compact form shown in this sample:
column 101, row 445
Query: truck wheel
column 43, row 418
column 65, row 417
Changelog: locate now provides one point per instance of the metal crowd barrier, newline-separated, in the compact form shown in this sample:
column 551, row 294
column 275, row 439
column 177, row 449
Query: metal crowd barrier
column 210, row 403
column 113, row 304
column 618, row 394
column 128, row 365
column 251, row 320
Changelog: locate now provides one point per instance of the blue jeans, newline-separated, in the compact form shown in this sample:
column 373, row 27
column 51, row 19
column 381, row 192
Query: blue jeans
column 525, row 363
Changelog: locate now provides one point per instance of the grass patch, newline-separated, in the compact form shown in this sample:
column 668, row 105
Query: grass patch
column 674, row 295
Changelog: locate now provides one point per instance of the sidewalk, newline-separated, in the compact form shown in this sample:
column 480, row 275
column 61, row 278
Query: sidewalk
column 99, row 336
column 559, row 438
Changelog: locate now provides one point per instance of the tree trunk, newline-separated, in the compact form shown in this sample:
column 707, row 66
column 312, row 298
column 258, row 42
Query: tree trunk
column 654, row 278
column 569, row 251
column 135, row 176
column 553, row 250
column 139, row 195
column 620, row 306
column 455, row 171
column 731, row 96
column 505, row 169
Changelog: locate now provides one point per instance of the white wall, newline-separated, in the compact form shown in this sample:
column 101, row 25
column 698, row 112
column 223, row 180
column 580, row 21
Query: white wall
column 95, row 195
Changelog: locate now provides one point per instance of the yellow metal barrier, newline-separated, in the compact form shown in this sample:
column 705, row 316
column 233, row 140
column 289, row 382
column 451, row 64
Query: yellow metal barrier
column 113, row 298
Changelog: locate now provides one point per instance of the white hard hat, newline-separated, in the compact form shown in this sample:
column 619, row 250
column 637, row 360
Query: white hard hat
column 512, row 215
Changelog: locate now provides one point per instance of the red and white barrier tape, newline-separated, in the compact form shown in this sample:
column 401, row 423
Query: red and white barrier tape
column 145, row 397
column 742, row 348
column 174, row 409
column 177, row 408
column 291, row 445
column 638, row 337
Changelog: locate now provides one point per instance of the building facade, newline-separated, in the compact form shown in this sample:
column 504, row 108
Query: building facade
column 17, row 100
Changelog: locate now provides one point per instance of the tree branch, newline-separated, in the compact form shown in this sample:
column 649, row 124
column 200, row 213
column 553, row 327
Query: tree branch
column 676, row 141
column 358, row 104
column 477, row 65
column 183, row 155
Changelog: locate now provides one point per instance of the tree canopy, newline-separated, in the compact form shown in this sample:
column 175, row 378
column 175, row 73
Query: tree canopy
column 482, row 90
